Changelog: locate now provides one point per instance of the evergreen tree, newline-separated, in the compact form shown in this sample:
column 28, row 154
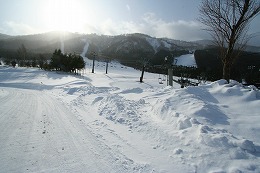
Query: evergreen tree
column 34, row 63
column 66, row 62
column 56, row 59
column 41, row 61
column 13, row 63
column 22, row 55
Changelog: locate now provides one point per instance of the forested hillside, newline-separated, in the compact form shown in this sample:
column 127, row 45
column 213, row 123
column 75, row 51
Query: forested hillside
column 246, row 66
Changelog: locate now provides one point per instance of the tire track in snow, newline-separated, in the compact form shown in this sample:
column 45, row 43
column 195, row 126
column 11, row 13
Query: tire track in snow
column 41, row 134
column 16, row 126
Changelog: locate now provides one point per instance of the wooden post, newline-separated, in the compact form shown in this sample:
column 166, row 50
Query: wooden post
column 142, row 75
column 106, row 66
column 170, row 74
column 93, row 65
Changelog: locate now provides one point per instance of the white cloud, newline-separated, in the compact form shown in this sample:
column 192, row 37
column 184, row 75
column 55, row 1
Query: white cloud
column 109, row 27
column 19, row 28
column 128, row 7
column 148, row 24
column 182, row 30
column 88, row 28
column 151, row 25
column 2, row 30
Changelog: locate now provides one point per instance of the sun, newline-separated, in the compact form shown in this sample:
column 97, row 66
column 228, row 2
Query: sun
column 64, row 15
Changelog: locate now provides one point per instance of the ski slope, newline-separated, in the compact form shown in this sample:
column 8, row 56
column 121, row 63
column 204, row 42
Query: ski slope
column 57, row 122
column 186, row 60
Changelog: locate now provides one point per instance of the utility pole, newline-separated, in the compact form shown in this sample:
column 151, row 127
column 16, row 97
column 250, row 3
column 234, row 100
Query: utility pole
column 107, row 65
column 170, row 72
column 93, row 65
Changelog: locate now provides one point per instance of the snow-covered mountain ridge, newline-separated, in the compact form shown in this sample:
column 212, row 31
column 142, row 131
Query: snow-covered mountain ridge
column 102, row 41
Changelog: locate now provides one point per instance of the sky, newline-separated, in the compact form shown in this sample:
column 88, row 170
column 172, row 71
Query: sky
column 175, row 19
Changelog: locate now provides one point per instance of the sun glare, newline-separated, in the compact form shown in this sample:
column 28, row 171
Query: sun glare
column 64, row 15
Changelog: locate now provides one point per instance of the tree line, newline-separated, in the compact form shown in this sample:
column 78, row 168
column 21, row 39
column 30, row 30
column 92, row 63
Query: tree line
column 23, row 58
column 59, row 61
column 65, row 62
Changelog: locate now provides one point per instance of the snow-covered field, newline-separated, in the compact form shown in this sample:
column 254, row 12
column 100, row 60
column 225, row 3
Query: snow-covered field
column 53, row 122
column 186, row 60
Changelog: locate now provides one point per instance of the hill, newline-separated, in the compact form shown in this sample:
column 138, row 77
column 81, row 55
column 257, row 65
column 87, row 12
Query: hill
column 132, row 45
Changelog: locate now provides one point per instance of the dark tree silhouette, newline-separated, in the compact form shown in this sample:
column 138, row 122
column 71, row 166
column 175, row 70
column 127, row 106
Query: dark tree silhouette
column 13, row 63
column 22, row 54
column 41, row 61
column 56, row 59
column 66, row 62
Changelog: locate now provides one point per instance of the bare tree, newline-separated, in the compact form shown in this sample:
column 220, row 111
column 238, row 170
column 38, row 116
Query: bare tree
column 228, row 21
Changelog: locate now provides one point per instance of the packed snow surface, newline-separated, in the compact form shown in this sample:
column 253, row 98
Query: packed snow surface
column 186, row 60
column 97, row 122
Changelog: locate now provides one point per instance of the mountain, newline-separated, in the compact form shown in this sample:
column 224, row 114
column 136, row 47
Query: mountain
column 4, row 36
column 128, row 48
column 35, row 42
column 250, row 48
column 74, row 42
column 38, row 42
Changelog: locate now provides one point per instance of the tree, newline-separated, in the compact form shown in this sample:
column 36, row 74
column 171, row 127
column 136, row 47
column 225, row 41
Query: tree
column 228, row 21
column 13, row 63
column 7, row 62
column 34, row 62
column 22, row 54
column 107, row 61
column 41, row 61
column 77, row 62
column 66, row 62
column 56, row 59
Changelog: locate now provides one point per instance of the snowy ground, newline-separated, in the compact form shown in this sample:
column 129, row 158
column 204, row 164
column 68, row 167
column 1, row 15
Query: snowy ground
column 186, row 60
column 53, row 122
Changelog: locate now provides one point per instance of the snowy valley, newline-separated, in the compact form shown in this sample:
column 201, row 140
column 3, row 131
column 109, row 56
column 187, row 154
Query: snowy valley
column 99, row 122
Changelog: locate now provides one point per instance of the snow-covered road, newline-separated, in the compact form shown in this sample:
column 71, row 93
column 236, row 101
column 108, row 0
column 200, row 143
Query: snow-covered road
column 46, row 137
